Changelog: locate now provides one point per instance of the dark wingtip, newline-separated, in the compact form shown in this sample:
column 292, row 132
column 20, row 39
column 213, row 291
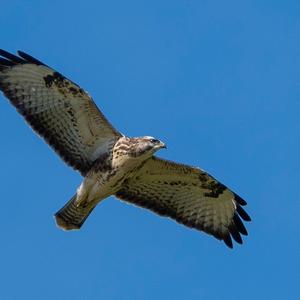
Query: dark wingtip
column 228, row 241
column 239, row 200
column 29, row 58
column 243, row 213
column 5, row 62
column 4, row 53
column 235, row 234
column 23, row 58
column 239, row 224
column 11, row 57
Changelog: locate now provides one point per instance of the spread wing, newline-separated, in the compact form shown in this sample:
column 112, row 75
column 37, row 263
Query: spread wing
column 188, row 195
column 57, row 109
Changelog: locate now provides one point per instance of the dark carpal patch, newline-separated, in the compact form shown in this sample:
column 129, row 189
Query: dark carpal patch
column 216, row 189
column 55, row 78
column 75, row 91
column 63, row 85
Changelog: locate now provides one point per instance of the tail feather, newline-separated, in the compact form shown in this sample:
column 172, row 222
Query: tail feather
column 72, row 216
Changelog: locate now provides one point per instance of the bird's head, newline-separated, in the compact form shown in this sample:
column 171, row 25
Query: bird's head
column 145, row 146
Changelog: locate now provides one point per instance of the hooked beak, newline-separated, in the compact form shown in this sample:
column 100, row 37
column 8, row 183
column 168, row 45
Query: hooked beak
column 163, row 145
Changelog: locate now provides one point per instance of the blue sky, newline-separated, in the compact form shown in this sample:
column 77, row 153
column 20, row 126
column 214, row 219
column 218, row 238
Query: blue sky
column 218, row 81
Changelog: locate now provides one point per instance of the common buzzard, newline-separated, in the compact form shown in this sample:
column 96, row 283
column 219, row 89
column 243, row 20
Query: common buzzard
column 112, row 164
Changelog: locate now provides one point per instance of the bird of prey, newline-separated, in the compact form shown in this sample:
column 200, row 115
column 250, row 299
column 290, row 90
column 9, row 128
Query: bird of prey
column 67, row 118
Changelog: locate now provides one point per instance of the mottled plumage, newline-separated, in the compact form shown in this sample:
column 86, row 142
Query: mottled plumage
column 112, row 164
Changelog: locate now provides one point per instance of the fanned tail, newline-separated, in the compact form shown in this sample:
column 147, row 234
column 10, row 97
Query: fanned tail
column 71, row 216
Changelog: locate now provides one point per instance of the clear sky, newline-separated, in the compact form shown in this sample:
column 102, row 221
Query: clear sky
column 218, row 81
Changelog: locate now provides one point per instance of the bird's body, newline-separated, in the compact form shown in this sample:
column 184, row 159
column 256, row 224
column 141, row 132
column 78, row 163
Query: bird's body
column 111, row 163
column 106, row 177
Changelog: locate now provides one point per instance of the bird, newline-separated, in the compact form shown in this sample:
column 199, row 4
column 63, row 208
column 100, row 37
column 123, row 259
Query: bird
column 67, row 118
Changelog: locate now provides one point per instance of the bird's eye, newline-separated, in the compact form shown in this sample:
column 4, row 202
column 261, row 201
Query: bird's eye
column 154, row 141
